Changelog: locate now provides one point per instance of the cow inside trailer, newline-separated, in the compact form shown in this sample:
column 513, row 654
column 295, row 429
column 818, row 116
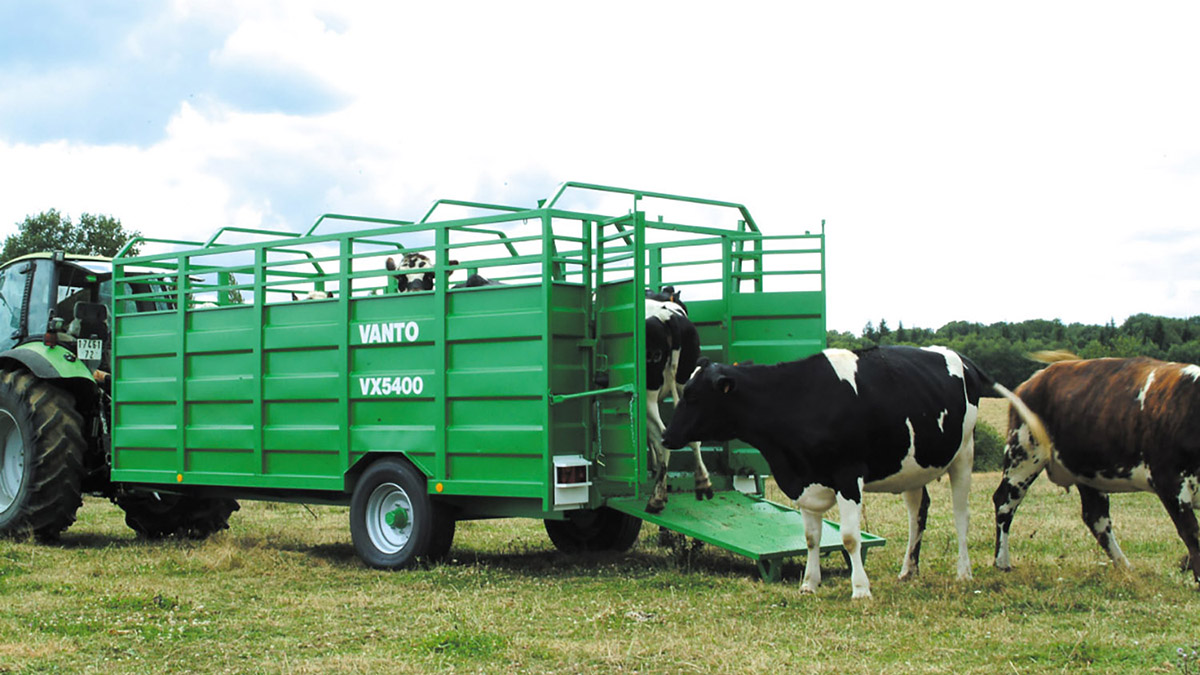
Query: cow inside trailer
column 519, row 397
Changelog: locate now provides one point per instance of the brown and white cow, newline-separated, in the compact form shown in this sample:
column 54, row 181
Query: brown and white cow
column 1115, row 425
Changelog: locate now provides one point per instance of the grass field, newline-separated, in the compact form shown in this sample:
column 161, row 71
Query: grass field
column 282, row 592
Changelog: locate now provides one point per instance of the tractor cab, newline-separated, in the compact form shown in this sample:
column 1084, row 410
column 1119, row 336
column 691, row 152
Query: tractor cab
column 57, row 298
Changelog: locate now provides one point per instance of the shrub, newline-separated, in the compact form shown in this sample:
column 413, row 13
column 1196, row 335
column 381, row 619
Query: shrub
column 989, row 448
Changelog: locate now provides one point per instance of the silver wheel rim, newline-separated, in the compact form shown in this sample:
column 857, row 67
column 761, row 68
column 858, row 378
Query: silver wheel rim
column 384, row 500
column 12, row 459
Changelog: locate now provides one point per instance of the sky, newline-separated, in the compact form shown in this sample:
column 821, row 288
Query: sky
column 973, row 161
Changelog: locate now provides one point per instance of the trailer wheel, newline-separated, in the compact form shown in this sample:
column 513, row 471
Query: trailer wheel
column 157, row 515
column 41, row 457
column 604, row 529
column 393, row 522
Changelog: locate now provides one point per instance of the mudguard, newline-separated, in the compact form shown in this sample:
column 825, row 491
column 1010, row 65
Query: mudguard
column 48, row 363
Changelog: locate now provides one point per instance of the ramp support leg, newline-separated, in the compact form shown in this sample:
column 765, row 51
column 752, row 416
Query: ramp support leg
column 771, row 570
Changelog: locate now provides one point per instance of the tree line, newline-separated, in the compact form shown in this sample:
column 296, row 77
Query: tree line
column 1002, row 348
column 94, row 234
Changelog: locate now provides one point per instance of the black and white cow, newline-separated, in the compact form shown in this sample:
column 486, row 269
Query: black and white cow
column 672, row 350
column 668, row 294
column 312, row 295
column 476, row 281
column 412, row 281
column 889, row 419
column 1114, row 425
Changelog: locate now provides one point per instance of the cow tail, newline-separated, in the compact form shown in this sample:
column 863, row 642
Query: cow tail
column 1030, row 418
column 1052, row 356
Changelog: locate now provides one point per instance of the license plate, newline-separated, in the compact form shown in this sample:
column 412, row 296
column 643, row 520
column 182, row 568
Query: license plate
column 89, row 350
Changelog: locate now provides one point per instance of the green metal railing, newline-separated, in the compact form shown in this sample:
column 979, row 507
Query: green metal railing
column 568, row 308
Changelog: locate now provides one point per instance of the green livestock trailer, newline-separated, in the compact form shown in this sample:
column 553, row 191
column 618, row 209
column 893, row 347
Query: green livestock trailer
column 279, row 366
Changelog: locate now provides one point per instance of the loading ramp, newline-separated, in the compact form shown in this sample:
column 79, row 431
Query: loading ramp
column 749, row 525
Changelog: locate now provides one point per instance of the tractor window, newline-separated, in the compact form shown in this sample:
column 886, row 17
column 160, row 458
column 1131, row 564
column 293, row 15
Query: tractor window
column 73, row 288
column 12, row 294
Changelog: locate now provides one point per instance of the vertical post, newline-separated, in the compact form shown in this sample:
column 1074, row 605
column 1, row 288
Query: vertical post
column 638, row 407
column 442, row 303
column 547, row 356
column 345, row 310
column 739, row 247
column 260, row 357
column 824, row 328
column 759, row 267
column 181, row 313
column 656, row 280
column 728, row 282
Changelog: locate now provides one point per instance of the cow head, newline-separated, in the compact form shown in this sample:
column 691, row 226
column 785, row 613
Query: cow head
column 703, row 411
column 422, row 281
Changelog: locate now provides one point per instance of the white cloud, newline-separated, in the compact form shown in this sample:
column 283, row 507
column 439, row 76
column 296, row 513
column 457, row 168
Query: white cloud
column 973, row 164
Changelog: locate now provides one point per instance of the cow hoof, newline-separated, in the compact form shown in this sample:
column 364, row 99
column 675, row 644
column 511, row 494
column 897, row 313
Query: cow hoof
column 805, row 589
column 655, row 507
column 861, row 594
column 702, row 494
column 1004, row 568
column 907, row 575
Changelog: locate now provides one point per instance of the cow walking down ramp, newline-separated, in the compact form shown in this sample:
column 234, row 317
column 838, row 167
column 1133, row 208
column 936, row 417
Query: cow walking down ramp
column 672, row 350
column 889, row 419
column 1115, row 425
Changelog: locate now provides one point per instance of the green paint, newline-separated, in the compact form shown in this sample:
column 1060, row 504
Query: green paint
column 63, row 361
column 397, row 518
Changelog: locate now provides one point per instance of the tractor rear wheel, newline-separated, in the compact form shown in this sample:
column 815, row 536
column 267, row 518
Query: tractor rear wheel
column 41, row 457
column 156, row 515
column 604, row 529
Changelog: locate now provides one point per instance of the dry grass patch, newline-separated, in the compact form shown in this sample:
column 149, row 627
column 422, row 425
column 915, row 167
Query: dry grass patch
column 994, row 411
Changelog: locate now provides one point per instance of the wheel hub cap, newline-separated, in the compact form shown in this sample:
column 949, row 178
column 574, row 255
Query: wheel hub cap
column 389, row 521
column 12, row 459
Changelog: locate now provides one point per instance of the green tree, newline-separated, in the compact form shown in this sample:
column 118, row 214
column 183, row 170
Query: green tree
column 1187, row 352
column 54, row 231
column 869, row 332
column 1158, row 334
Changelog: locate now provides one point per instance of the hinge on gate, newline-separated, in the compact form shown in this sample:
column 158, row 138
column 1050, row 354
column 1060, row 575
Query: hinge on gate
column 600, row 368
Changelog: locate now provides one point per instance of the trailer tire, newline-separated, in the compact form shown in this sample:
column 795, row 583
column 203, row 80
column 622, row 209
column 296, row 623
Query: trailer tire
column 41, row 457
column 157, row 516
column 393, row 522
column 442, row 537
column 604, row 529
